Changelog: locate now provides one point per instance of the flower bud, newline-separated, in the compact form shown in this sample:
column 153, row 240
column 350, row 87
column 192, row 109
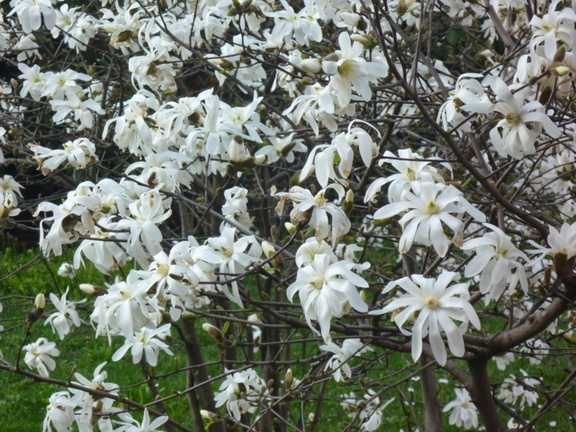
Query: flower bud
column 366, row 40
column 560, row 70
column 268, row 249
column 311, row 65
column 259, row 159
column 213, row 331
column 291, row 228
column 348, row 202
column 288, row 378
column 40, row 302
column 93, row 290
column 208, row 415
column 35, row 313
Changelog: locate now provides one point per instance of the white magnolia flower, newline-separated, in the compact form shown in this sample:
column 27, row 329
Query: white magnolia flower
column 39, row 356
column 497, row 259
column 10, row 190
column 316, row 209
column 516, row 134
column 66, row 270
column 369, row 409
column 89, row 403
column 31, row 14
column 338, row 363
column 536, row 350
column 282, row 148
column 65, row 315
column 427, row 213
column 436, row 306
column 130, row 424
column 503, row 360
column 463, row 411
column 351, row 70
column 412, row 171
column 327, row 289
column 236, row 256
column 145, row 342
column 563, row 241
column 241, row 392
column 59, row 413
column 77, row 154
column 519, row 389
column 552, row 28
column 467, row 91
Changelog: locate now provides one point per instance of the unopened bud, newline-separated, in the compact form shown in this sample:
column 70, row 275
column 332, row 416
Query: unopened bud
column 351, row 19
column 208, row 415
column 366, row 40
column 311, row 65
column 259, row 159
column 39, row 305
column 561, row 70
column 268, row 249
column 560, row 54
column 288, row 378
column 348, row 202
column 291, row 228
column 93, row 290
column 40, row 302
column 213, row 331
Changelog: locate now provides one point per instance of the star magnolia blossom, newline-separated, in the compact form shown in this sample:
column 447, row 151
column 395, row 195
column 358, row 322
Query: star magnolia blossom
column 497, row 259
column 427, row 213
column 327, row 289
column 552, row 28
column 463, row 411
column 333, row 228
column 560, row 242
column 241, row 392
column 412, row 171
column 351, row 70
column 338, row 363
column 39, row 356
column 64, row 316
column 516, row 134
column 436, row 306
column 145, row 342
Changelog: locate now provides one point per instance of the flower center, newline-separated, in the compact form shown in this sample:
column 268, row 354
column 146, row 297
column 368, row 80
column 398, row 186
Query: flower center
column 410, row 174
column 431, row 302
column 320, row 200
column 162, row 269
column 431, row 208
column 347, row 68
column 318, row 283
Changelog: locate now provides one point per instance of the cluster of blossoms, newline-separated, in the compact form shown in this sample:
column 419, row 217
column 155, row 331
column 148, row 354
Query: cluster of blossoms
column 10, row 193
column 429, row 203
column 241, row 392
column 208, row 103
column 327, row 286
